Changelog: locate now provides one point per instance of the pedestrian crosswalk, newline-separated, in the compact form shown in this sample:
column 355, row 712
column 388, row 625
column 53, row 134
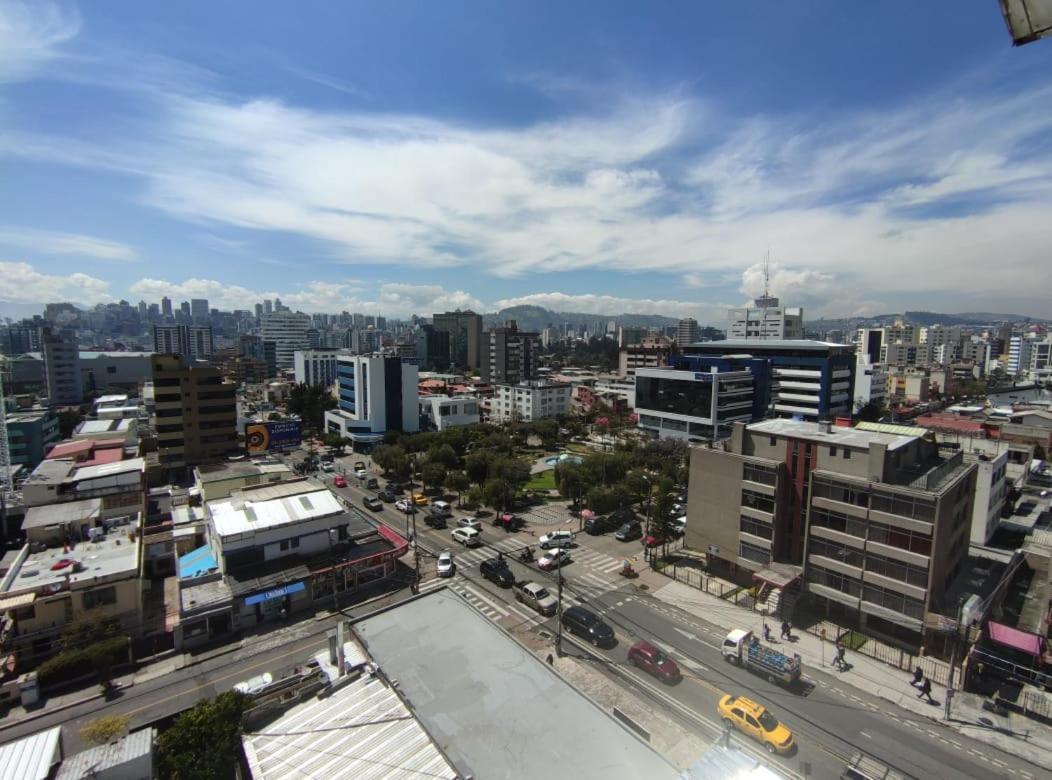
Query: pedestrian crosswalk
column 581, row 557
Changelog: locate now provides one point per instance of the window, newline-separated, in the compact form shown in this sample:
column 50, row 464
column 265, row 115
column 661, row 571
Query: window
column 911, row 541
column 755, row 553
column 834, row 580
column 836, row 552
column 896, row 602
column 100, row 597
column 836, row 491
column 754, row 472
column 754, row 500
column 904, row 506
column 111, row 369
column 748, row 525
column 896, row 570
column 847, row 454
column 832, row 452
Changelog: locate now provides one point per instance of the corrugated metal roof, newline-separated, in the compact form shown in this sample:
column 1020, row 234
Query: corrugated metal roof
column 363, row 731
column 894, row 430
column 114, row 755
column 14, row 602
column 32, row 757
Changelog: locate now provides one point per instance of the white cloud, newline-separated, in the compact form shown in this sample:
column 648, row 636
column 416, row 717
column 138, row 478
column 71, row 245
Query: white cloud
column 66, row 244
column 22, row 283
column 614, row 305
column 31, row 34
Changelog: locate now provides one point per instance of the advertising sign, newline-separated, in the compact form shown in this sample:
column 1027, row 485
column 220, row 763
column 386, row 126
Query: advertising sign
column 273, row 436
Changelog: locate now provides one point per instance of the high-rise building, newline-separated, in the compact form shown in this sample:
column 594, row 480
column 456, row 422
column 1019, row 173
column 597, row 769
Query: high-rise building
column 61, row 368
column 1019, row 350
column 288, row 331
column 465, row 337
column 268, row 306
column 166, row 307
column 184, row 311
column 316, row 366
column 195, row 412
column 687, row 331
column 199, row 337
column 509, row 356
column 377, row 394
column 259, row 310
column 432, row 348
column 143, row 308
column 199, row 310
column 766, row 321
column 171, row 340
column 22, row 339
column 153, row 312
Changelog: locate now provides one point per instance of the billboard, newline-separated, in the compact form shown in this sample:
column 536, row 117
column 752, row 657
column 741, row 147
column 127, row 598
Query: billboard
column 273, row 436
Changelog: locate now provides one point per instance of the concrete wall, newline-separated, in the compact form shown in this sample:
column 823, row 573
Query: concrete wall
column 714, row 501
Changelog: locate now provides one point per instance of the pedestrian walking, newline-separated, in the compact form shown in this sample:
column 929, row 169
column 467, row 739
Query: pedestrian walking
column 840, row 651
column 785, row 630
column 926, row 691
column 918, row 676
column 766, row 633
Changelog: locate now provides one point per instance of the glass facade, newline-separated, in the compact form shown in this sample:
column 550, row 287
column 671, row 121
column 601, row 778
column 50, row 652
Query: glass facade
column 674, row 396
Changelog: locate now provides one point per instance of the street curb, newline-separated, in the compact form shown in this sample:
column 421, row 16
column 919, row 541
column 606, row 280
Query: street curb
column 46, row 710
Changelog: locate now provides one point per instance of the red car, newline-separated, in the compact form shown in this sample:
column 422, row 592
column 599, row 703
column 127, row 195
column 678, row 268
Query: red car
column 651, row 660
column 339, row 481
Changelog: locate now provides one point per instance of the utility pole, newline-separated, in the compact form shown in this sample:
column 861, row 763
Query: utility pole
column 953, row 657
column 559, row 619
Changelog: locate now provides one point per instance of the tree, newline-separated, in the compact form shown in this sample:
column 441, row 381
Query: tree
column 102, row 730
column 477, row 466
column 203, row 741
column 869, row 412
column 570, row 478
column 392, row 459
column 89, row 628
column 433, row 474
column 457, row 482
column 309, row 403
column 68, row 420
column 336, row 442
column 661, row 518
column 443, row 454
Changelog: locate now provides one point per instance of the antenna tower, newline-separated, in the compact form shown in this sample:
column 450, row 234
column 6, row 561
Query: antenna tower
column 6, row 486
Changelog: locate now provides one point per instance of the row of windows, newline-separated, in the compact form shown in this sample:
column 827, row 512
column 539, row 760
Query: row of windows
column 835, row 551
column 896, row 570
column 760, row 501
column 748, row 525
column 753, row 552
column 896, row 602
column 100, row 597
column 912, row 541
column 834, row 580
column 765, row 475
column 904, row 506
column 838, row 521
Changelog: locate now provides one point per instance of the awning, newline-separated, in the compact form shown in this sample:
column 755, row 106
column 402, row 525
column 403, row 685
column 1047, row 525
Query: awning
column 197, row 562
column 778, row 575
column 14, row 602
column 1023, row 641
column 276, row 593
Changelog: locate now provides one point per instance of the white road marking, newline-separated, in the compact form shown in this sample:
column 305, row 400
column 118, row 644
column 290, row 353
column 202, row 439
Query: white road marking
column 864, row 734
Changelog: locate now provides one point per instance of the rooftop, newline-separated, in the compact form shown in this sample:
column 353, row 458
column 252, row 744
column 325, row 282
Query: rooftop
column 111, row 555
column 110, row 469
column 362, row 730
column 32, row 757
column 103, row 760
column 853, row 438
column 117, row 398
column 96, row 427
column 217, row 472
column 242, row 515
column 747, row 346
column 497, row 710
column 69, row 512
column 85, row 452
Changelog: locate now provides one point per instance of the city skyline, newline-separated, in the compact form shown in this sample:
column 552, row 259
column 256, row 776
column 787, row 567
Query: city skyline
column 350, row 159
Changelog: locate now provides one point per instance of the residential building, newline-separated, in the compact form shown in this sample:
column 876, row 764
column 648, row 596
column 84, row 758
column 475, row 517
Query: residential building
column 61, row 368
column 195, row 412
column 166, row 308
column 874, row 523
column 244, row 370
column 529, row 401
column 687, row 331
column 1041, row 361
column 908, row 385
column 901, row 332
column 126, row 429
column 120, row 484
column 23, row 374
column 116, row 407
column 509, row 356
column 443, row 411
column 1019, row 351
column 199, row 310
column 905, row 355
column 649, row 352
column 171, row 340
column 219, row 480
column 991, row 494
column 869, row 345
column 871, row 382
column 288, row 331
column 767, row 320
column 627, row 336
column 698, row 399
column 316, row 367
column 465, row 337
column 22, row 338
column 376, row 394
column 432, row 348
column 30, row 435
column 941, row 335
column 809, row 379
column 199, row 338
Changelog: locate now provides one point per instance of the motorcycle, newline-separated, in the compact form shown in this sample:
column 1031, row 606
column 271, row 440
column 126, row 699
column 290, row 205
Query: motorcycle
column 526, row 556
column 628, row 571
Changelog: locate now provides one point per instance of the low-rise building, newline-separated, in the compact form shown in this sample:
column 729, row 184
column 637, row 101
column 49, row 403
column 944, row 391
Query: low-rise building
column 126, row 429
column 116, row 406
column 121, row 485
column 214, row 481
column 991, row 493
column 649, row 352
column 443, row 411
column 529, row 401
column 30, row 435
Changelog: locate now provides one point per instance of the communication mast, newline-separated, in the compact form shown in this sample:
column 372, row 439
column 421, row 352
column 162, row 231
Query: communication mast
column 6, row 486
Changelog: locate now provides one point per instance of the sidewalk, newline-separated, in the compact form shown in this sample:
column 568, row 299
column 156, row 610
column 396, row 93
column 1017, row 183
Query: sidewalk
column 1012, row 733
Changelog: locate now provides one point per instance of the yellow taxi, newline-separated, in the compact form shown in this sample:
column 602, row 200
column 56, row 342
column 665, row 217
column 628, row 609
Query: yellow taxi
column 755, row 720
column 419, row 499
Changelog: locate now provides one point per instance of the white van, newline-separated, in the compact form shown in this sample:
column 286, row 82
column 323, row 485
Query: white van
column 441, row 509
column 469, row 537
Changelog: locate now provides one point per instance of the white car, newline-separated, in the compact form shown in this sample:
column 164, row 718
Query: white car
column 679, row 525
column 555, row 558
column 361, row 473
column 469, row 537
column 405, row 505
column 469, row 522
column 557, row 539
column 327, row 467
column 445, row 566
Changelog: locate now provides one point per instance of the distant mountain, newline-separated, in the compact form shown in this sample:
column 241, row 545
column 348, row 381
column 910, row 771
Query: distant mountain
column 921, row 318
column 537, row 318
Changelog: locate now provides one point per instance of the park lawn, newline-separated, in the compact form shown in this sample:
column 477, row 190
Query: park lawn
column 544, row 480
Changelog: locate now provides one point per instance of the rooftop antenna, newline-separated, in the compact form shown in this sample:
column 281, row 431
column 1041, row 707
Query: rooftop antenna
column 767, row 273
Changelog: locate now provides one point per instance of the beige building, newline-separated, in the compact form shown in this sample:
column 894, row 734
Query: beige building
column 873, row 526
column 218, row 480
column 194, row 412
column 650, row 352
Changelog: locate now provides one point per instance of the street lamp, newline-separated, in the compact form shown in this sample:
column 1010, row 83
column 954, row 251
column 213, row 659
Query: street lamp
column 953, row 657
column 332, row 551
column 650, row 493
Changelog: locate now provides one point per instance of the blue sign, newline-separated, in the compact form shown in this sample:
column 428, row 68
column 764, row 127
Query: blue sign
column 275, row 435
column 276, row 593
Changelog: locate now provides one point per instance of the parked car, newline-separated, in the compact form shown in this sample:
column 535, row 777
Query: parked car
column 327, row 467
column 629, row 531
column 361, row 473
column 386, row 495
column 594, row 526
column 756, row 721
column 434, row 521
column 445, row 566
column 441, row 508
column 405, row 505
column 469, row 537
column 557, row 539
column 496, row 571
column 469, row 522
column 679, row 525
column 419, row 499
column 651, row 660
column 371, row 502
column 339, row 481
column 359, row 465
column 553, row 559
column 588, row 625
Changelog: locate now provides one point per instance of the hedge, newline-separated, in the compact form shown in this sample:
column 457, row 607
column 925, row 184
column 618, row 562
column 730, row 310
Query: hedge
column 71, row 664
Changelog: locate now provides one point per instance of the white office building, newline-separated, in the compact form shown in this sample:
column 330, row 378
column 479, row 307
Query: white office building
column 692, row 405
column 377, row 394
column 316, row 366
column 766, row 321
column 288, row 331
column 530, row 401
column 871, row 384
column 445, row 411
column 991, row 487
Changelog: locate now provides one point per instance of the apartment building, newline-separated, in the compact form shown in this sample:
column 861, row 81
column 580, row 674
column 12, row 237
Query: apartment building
column 194, row 412
column 30, row 434
column 376, row 394
column 871, row 384
column 61, row 368
column 288, row 332
column 648, row 352
column 119, row 483
column 443, row 411
column 910, row 385
column 509, row 356
column 766, row 321
column 465, row 337
column 687, row 331
column 874, row 525
column 991, row 493
column 529, row 401
column 316, row 366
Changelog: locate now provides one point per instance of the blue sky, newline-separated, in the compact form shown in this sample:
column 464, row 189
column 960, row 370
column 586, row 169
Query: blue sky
column 410, row 157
